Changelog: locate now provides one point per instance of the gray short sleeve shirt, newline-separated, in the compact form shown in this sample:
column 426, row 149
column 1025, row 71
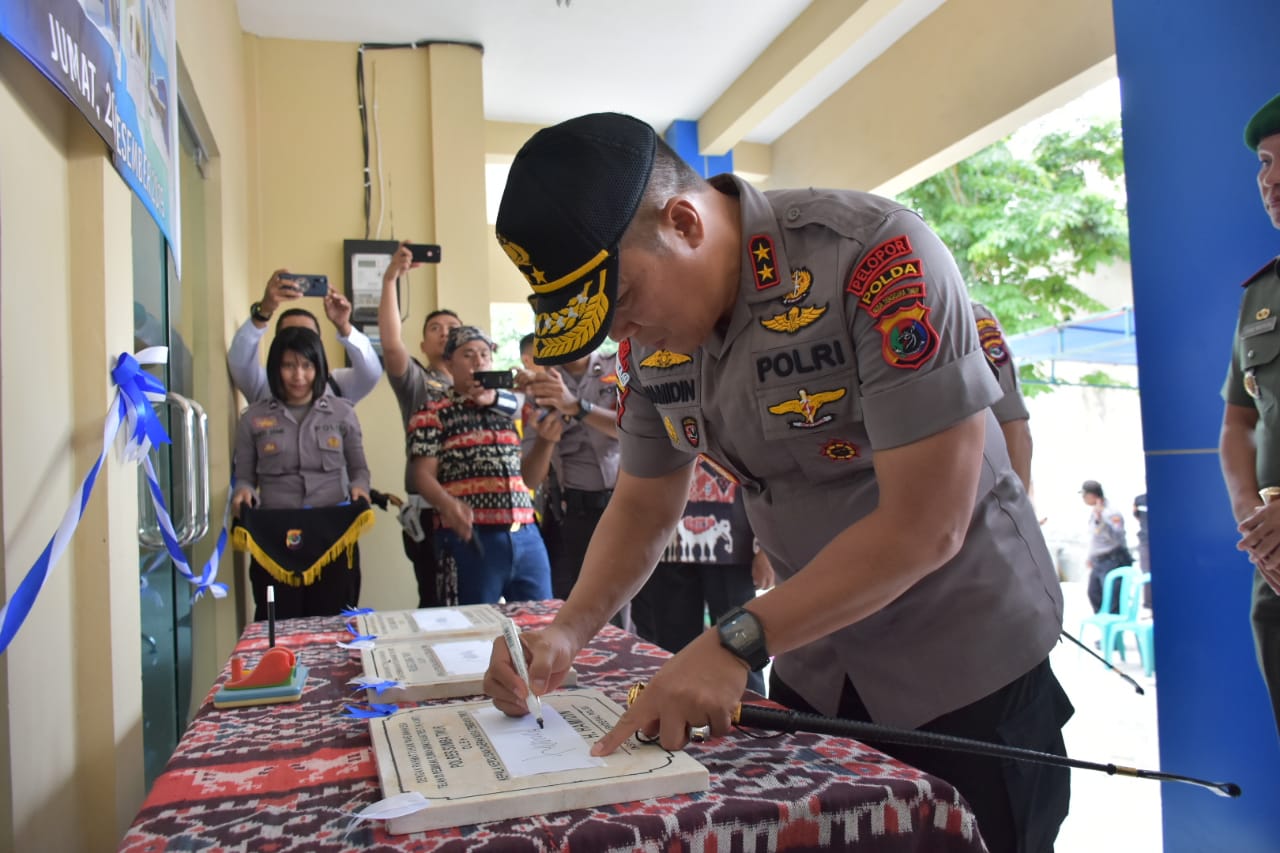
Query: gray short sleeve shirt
column 853, row 333
column 1010, row 406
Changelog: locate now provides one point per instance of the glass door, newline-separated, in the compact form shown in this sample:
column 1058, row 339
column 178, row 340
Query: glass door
column 164, row 315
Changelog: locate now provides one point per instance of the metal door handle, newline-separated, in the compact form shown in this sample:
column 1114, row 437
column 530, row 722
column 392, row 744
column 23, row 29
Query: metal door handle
column 192, row 523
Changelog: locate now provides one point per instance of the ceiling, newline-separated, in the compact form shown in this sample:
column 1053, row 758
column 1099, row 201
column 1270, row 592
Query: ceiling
column 660, row 60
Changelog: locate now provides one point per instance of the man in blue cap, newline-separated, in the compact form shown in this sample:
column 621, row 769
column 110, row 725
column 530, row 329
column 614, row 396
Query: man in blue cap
column 1249, row 446
column 820, row 347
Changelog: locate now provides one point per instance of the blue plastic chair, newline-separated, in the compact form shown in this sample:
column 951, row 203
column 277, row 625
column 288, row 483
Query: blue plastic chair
column 1104, row 618
column 1143, row 630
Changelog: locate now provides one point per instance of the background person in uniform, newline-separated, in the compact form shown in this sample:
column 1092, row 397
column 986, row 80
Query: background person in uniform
column 466, row 460
column 1107, row 548
column 1011, row 410
column 245, row 366
column 1144, row 543
column 546, row 495
column 582, row 394
column 834, row 369
column 300, row 448
column 414, row 386
column 710, row 566
column 1249, row 446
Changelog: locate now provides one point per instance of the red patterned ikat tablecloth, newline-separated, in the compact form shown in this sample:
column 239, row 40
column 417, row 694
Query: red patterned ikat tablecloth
column 288, row 778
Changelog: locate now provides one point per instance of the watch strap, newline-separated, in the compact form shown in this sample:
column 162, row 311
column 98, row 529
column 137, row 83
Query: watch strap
column 255, row 311
column 754, row 654
column 584, row 409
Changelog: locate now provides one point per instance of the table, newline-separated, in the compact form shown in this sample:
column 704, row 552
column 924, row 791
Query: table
column 289, row 777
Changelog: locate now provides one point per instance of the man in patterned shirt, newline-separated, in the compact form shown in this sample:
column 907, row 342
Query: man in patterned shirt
column 465, row 459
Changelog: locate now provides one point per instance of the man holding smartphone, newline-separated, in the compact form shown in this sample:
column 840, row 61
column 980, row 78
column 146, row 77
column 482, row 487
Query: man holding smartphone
column 245, row 365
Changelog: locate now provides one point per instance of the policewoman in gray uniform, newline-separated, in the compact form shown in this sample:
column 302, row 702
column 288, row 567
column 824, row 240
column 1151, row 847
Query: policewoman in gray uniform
column 1249, row 445
column 820, row 347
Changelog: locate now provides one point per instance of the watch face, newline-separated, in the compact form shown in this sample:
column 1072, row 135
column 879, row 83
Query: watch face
column 741, row 631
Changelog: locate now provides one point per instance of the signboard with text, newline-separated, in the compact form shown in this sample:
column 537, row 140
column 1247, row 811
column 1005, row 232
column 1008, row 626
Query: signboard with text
column 117, row 62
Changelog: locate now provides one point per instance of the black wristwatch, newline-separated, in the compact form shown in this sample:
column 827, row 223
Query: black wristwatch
column 255, row 311
column 742, row 634
column 584, row 409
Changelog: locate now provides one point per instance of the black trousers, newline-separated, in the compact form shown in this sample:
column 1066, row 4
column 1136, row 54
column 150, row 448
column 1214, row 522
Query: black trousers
column 582, row 511
column 437, row 580
column 338, row 587
column 1265, row 616
column 671, row 608
column 1098, row 568
column 1019, row 805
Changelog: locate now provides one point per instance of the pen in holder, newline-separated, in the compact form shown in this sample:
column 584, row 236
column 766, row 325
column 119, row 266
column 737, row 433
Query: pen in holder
column 271, row 615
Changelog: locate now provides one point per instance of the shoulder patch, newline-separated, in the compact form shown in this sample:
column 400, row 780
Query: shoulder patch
column 992, row 341
column 874, row 262
column 908, row 338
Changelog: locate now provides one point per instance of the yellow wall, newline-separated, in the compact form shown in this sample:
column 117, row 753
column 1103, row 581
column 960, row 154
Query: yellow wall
column 309, row 196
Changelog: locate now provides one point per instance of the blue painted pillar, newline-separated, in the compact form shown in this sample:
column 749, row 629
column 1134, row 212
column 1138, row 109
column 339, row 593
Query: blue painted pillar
column 682, row 136
column 1191, row 75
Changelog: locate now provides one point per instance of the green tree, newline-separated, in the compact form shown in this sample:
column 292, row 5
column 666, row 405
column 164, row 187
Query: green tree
column 1023, row 231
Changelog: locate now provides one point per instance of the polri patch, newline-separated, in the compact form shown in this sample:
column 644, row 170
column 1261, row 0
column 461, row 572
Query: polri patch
column 293, row 539
column 880, row 291
column 909, row 339
column 764, row 264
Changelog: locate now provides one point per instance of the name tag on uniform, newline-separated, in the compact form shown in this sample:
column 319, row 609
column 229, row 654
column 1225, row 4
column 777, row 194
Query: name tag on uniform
column 1259, row 327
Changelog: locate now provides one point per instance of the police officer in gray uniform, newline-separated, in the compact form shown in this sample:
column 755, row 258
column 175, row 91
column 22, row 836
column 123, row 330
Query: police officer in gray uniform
column 585, row 456
column 818, row 345
column 1249, row 446
column 1010, row 410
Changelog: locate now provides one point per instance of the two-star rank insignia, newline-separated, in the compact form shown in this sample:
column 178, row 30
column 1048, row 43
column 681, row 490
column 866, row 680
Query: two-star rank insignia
column 764, row 265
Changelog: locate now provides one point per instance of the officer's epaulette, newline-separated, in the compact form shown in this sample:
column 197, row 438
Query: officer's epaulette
column 1266, row 268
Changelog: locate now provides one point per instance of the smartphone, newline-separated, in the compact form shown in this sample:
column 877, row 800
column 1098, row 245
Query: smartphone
column 310, row 285
column 425, row 253
column 495, row 378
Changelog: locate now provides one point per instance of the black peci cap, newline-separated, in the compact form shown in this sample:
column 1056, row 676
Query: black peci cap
column 572, row 191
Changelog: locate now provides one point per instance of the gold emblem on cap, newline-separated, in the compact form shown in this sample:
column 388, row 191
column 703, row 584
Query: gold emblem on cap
column 1263, row 313
column 666, row 358
column 574, row 325
column 520, row 258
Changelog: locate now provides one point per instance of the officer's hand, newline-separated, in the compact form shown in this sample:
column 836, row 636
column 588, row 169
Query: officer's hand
column 401, row 262
column 358, row 494
column 550, row 425
column 548, row 391
column 280, row 288
column 549, row 654
column 338, row 309
column 701, row 686
column 1260, row 538
column 244, row 496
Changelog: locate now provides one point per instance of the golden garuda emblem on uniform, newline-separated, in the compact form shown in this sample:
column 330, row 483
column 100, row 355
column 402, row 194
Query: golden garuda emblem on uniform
column 793, row 319
column 665, row 358
column 807, row 405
